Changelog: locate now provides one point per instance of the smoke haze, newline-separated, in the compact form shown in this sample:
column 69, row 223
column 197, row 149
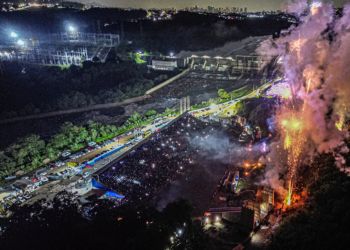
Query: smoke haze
column 315, row 59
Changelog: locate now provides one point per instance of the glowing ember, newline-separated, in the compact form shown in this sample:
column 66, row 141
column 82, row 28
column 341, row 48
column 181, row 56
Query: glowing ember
column 292, row 130
column 289, row 195
column 314, row 58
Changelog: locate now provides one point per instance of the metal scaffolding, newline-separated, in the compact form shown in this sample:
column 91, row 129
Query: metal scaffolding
column 62, row 49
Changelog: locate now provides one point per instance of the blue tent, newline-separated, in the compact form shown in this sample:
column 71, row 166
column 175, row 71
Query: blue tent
column 109, row 193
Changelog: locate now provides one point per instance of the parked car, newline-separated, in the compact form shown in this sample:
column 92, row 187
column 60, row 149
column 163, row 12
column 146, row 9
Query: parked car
column 86, row 174
column 27, row 196
column 66, row 153
column 44, row 179
column 59, row 163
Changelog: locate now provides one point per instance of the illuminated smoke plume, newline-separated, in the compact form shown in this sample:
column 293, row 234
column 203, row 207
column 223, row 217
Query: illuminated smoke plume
column 314, row 59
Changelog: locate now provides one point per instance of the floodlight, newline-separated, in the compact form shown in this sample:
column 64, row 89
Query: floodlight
column 71, row 28
column 13, row 34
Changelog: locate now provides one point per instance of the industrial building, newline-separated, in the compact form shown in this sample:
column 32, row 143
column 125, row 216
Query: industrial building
column 238, row 64
column 218, row 65
column 61, row 49
column 168, row 63
column 262, row 205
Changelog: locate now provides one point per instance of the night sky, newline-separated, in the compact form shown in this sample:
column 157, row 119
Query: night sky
column 252, row 5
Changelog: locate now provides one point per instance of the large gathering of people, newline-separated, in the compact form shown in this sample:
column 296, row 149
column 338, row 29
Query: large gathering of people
column 158, row 161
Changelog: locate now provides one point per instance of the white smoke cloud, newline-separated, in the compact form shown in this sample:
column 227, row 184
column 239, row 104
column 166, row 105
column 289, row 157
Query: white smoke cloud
column 315, row 58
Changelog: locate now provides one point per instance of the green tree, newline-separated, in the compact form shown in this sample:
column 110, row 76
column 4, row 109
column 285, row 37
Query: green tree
column 327, row 210
column 223, row 94
column 150, row 112
column 7, row 164
column 169, row 111
column 134, row 119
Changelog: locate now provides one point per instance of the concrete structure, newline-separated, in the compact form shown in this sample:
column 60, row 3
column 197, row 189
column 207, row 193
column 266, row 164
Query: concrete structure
column 165, row 83
column 232, row 214
column 7, row 193
column 61, row 49
column 168, row 63
column 232, row 65
column 185, row 104
column 23, row 185
column 262, row 205
column 164, row 65
column 97, row 39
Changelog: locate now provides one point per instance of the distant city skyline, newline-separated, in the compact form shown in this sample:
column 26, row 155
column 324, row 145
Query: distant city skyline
column 251, row 5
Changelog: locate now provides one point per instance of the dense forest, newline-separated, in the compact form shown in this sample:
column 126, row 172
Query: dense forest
column 33, row 89
column 324, row 221
column 66, row 225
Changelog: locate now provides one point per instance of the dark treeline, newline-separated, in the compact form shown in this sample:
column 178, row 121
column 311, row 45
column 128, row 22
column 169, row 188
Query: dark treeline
column 29, row 90
column 186, row 31
column 191, row 31
column 324, row 222
column 33, row 89
column 31, row 152
column 61, row 226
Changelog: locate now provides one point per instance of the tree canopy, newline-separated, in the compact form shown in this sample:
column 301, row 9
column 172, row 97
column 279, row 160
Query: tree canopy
column 324, row 222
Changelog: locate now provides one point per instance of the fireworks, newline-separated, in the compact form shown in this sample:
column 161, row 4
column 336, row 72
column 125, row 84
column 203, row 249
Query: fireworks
column 314, row 59
column 293, row 137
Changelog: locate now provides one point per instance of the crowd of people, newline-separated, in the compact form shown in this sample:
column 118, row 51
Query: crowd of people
column 158, row 161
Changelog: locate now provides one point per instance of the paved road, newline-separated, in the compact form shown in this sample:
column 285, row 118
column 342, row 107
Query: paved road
column 77, row 110
column 50, row 189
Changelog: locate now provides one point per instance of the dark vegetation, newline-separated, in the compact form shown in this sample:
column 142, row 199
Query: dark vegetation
column 186, row 31
column 29, row 89
column 191, row 31
column 62, row 227
column 31, row 152
column 324, row 222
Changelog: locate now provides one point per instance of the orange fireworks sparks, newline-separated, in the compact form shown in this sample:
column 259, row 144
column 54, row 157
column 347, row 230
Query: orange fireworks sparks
column 293, row 140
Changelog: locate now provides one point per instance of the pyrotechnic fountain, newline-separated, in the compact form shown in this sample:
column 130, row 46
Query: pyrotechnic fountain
column 314, row 58
column 293, row 142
